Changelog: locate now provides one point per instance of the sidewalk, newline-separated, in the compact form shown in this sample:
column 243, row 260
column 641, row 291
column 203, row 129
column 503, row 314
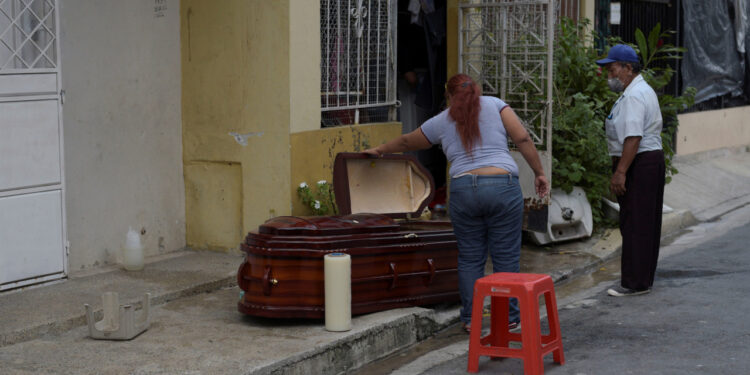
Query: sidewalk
column 196, row 327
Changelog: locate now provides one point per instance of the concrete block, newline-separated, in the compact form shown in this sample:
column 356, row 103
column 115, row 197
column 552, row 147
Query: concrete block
column 120, row 321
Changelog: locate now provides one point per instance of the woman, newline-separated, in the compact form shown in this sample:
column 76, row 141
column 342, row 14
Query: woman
column 486, row 204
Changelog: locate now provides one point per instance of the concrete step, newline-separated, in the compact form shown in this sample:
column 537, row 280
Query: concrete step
column 32, row 312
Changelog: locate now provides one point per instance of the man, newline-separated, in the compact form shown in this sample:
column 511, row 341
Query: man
column 633, row 130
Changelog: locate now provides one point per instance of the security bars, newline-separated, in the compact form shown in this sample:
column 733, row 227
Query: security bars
column 506, row 46
column 358, row 62
column 27, row 35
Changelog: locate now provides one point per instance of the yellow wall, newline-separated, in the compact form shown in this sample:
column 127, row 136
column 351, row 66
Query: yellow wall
column 710, row 130
column 253, row 68
column 304, row 65
column 235, row 78
column 313, row 152
column 451, row 37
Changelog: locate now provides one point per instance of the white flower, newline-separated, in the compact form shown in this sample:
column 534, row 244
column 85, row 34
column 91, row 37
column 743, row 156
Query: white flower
column 303, row 185
column 317, row 204
column 322, row 182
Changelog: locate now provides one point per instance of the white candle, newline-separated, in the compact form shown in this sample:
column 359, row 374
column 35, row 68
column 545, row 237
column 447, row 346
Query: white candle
column 338, row 291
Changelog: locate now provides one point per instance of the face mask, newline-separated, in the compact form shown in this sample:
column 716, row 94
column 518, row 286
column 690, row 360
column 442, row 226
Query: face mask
column 615, row 85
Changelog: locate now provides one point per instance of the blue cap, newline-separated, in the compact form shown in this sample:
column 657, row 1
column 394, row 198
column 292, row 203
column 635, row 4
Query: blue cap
column 619, row 52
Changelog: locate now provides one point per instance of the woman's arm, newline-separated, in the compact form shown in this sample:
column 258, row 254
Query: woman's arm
column 522, row 140
column 413, row 141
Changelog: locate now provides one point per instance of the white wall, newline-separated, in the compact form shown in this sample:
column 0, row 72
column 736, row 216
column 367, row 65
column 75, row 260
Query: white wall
column 710, row 130
column 122, row 127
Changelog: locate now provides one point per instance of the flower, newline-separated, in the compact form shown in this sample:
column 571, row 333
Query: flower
column 303, row 185
column 322, row 182
column 317, row 204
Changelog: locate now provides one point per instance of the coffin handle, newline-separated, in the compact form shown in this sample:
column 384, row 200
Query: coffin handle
column 268, row 281
column 241, row 280
column 394, row 274
column 431, row 268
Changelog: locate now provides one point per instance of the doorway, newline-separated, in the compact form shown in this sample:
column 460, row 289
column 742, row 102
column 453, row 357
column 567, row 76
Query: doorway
column 422, row 70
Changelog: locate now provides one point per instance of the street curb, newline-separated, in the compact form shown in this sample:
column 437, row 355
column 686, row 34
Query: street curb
column 360, row 348
column 723, row 208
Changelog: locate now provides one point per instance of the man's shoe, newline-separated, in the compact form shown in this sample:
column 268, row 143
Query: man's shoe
column 625, row 292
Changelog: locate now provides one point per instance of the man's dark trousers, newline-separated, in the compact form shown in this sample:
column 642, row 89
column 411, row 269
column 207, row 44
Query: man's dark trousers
column 640, row 219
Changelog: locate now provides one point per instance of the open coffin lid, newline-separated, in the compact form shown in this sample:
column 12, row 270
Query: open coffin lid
column 370, row 193
column 393, row 185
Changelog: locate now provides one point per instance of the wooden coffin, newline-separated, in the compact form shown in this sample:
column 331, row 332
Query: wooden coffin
column 395, row 263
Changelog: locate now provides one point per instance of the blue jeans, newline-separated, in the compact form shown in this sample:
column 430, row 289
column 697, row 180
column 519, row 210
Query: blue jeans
column 487, row 215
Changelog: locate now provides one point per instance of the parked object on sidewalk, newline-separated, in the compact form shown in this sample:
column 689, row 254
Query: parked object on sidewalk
column 612, row 209
column 569, row 217
column 394, row 263
column 527, row 288
column 132, row 252
column 338, row 291
column 120, row 322
column 536, row 214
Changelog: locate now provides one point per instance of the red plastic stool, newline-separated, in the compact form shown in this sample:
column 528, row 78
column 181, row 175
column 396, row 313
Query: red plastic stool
column 527, row 288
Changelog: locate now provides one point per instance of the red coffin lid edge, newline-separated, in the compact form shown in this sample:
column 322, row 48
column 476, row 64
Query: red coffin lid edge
column 341, row 182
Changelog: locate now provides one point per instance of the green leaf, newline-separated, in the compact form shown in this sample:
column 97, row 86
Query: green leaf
column 641, row 40
column 653, row 38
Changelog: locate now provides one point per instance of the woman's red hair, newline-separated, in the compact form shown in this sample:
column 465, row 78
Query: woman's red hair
column 464, row 109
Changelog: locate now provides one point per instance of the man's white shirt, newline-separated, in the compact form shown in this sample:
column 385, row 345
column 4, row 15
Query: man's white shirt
column 635, row 114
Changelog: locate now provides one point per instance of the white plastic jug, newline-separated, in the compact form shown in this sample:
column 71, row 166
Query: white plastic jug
column 132, row 252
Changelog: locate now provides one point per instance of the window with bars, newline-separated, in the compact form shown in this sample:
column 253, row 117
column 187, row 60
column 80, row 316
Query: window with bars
column 358, row 62
column 27, row 34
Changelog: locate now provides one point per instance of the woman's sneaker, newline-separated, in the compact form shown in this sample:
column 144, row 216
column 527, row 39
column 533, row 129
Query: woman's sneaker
column 625, row 292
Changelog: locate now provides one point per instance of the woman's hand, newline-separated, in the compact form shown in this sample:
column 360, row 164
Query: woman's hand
column 542, row 186
column 373, row 151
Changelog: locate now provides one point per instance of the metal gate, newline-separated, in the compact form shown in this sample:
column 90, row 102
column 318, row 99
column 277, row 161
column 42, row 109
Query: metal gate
column 506, row 46
column 32, row 210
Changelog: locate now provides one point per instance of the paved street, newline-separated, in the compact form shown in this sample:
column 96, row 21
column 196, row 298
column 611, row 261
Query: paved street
column 694, row 321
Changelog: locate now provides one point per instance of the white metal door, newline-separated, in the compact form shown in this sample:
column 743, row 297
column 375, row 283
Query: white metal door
column 32, row 209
